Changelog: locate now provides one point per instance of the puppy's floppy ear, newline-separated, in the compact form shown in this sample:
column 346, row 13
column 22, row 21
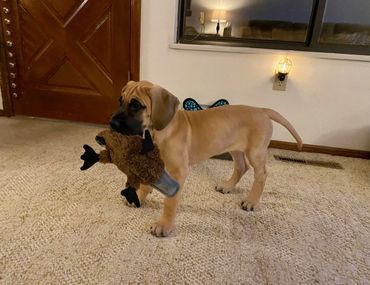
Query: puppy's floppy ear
column 164, row 106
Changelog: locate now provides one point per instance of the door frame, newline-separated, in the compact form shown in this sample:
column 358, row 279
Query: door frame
column 135, row 32
column 4, row 83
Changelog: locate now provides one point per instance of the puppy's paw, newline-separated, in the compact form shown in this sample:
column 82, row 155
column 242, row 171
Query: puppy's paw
column 248, row 206
column 161, row 229
column 223, row 188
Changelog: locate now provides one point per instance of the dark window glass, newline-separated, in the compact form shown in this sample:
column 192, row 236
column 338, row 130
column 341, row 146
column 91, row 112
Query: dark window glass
column 346, row 22
column 339, row 26
column 283, row 20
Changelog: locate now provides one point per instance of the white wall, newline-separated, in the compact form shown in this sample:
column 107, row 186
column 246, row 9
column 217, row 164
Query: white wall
column 328, row 101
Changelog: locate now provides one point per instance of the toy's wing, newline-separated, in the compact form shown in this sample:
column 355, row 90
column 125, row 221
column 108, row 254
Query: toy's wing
column 147, row 143
column 90, row 157
column 219, row 103
column 100, row 140
column 190, row 104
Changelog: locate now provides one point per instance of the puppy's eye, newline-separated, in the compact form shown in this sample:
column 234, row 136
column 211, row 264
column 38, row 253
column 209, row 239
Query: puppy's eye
column 135, row 105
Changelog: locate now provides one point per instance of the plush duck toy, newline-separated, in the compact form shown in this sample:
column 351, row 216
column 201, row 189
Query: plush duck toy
column 135, row 156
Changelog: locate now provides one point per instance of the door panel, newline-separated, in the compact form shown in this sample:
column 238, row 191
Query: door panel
column 73, row 57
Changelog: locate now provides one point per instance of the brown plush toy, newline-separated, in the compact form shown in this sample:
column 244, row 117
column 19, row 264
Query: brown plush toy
column 135, row 156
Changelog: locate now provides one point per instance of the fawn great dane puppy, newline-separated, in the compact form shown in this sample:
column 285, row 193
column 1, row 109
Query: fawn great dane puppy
column 185, row 138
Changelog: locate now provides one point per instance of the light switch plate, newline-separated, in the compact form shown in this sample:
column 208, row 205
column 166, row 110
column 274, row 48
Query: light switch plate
column 279, row 85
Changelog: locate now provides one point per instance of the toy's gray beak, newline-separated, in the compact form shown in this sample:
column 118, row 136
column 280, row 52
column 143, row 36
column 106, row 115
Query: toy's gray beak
column 166, row 185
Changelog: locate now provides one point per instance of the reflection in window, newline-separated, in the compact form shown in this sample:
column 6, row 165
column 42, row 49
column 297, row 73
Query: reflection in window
column 346, row 22
column 283, row 20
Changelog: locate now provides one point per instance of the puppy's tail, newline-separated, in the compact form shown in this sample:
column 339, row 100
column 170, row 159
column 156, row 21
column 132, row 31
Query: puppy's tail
column 275, row 116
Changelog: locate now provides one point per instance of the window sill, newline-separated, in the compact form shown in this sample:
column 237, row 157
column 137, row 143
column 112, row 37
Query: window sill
column 247, row 50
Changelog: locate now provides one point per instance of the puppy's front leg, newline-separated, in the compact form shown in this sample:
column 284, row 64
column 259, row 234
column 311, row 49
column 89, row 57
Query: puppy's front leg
column 164, row 226
column 144, row 191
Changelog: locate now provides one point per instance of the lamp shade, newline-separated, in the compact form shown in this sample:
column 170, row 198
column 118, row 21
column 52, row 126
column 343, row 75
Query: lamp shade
column 285, row 65
column 219, row 16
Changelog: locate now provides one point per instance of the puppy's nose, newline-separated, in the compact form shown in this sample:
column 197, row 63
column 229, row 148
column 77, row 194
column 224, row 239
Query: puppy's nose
column 114, row 124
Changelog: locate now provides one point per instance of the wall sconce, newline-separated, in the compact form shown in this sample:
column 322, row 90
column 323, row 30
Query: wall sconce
column 281, row 76
column 218, row 16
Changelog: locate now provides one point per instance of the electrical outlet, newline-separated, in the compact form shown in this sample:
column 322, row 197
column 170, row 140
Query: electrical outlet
column 279, row 85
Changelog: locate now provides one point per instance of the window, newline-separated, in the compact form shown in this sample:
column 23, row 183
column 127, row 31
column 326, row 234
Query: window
column 349, row 26
column 341, row 26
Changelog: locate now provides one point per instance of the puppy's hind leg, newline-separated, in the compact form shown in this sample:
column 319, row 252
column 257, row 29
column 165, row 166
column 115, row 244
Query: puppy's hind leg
column 240, row 167
column 258, row 162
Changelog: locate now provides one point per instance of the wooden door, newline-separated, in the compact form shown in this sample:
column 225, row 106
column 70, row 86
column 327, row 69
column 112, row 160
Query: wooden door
column 70, row 58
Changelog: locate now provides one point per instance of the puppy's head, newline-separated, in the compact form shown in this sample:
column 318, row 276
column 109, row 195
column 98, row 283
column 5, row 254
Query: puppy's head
column 143, row 105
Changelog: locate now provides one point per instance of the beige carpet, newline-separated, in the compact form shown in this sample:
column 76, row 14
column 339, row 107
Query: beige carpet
column 61, row 226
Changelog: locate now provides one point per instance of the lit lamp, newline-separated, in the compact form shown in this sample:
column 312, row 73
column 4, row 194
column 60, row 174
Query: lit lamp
column 284, row 67
column 218, row 16
column 202, row 21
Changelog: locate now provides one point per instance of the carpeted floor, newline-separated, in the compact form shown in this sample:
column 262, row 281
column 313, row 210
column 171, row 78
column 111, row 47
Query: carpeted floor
column 61, row 226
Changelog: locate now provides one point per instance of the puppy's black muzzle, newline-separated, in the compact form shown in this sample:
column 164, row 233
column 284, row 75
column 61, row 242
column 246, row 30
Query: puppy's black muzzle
column 125, row 125
column 117, row 123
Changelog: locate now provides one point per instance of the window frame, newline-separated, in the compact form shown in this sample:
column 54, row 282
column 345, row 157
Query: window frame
column 310, row 45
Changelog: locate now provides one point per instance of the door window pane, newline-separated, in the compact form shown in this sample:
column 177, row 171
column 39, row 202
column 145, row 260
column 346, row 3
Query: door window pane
column 346, row 22
column 283, row 20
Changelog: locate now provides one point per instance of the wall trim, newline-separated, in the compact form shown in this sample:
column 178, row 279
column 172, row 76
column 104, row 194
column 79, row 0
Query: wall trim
column 321, row 149
column 311, row 148
column 251, row 50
